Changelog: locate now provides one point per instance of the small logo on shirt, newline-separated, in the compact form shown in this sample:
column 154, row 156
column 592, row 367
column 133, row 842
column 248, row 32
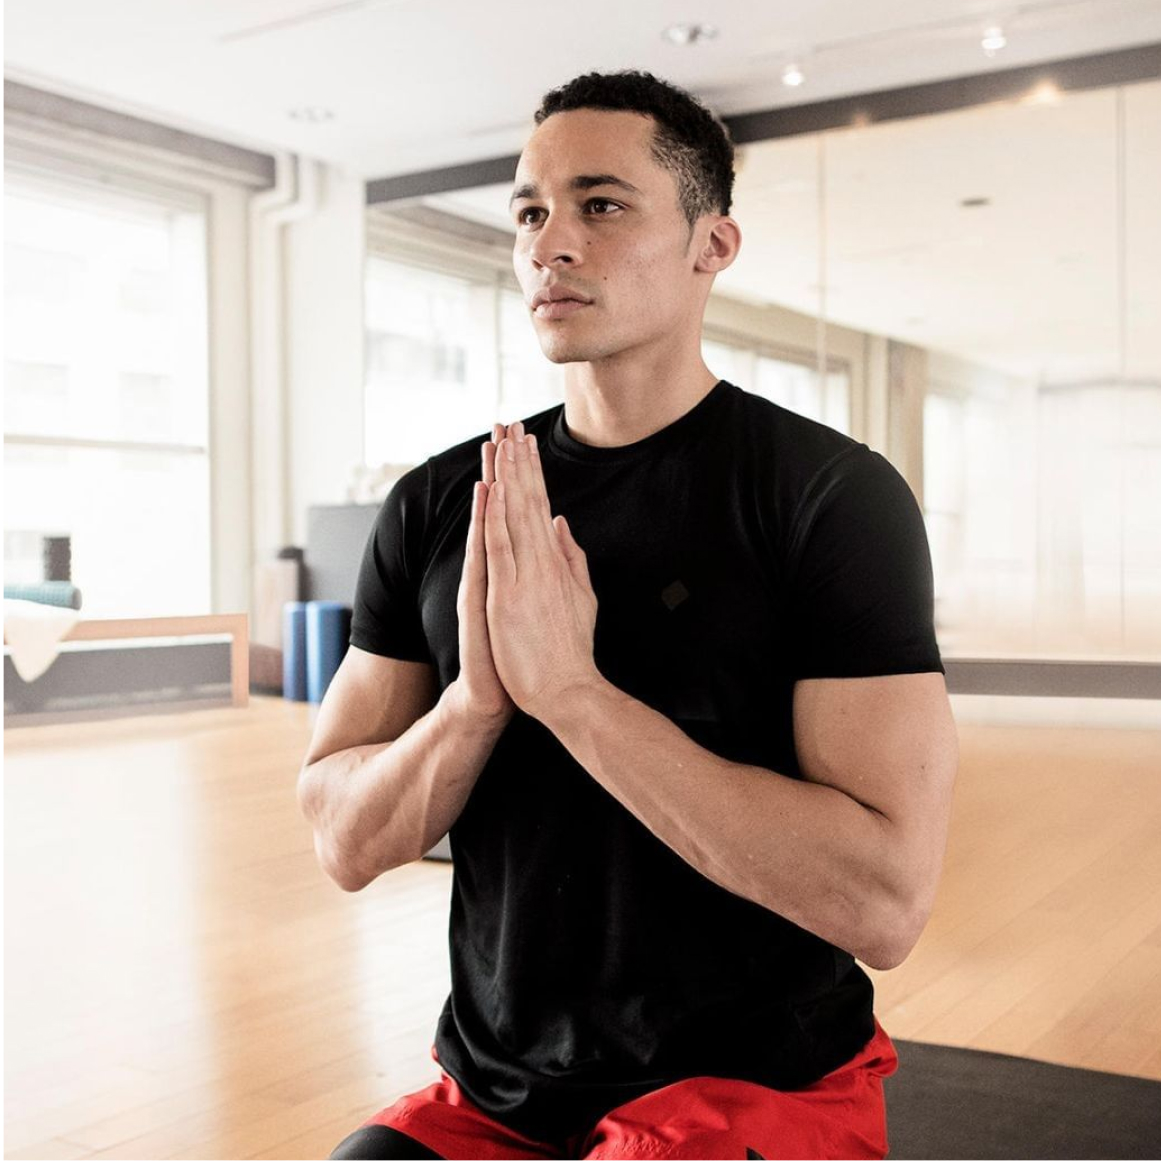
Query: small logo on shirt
column 673, row 594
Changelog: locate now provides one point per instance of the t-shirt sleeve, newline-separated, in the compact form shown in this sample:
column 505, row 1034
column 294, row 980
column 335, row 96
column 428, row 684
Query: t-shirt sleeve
column 386, row 617
column 861, row 580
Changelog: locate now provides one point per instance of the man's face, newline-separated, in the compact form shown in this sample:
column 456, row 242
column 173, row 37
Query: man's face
column 597, row 217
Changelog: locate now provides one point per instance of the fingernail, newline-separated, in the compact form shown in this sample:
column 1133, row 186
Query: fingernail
column 531, row 441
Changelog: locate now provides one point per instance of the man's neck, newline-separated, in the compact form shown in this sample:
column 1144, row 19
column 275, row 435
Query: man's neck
column 607, row 405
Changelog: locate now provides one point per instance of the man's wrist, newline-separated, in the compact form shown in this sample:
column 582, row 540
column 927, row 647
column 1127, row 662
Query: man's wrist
column 577, row 703
column 465, row 716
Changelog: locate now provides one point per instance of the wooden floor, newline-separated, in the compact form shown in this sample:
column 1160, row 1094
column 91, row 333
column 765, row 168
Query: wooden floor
column 182, row 980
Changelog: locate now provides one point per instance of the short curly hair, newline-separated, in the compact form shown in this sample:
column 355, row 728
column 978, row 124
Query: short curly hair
column 689, row 140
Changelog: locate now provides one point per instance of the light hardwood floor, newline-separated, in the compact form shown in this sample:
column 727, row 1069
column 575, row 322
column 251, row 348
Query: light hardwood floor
column 183, row 981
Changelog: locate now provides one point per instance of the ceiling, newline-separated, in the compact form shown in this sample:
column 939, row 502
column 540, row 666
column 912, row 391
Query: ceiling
column 415, row 84
column 1027, row 283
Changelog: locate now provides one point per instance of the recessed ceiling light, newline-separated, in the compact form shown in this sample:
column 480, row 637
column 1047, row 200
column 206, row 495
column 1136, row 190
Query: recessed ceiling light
column 792, row 75
column 313, row 114
column 689, row 33
column 993, row 40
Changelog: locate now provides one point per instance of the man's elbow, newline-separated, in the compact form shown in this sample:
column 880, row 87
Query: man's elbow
column 348, row 884
column 896, row 943
column 341, row 872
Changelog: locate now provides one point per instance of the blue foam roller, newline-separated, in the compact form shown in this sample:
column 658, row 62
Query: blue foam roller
column 328, row 632
column 294, row 650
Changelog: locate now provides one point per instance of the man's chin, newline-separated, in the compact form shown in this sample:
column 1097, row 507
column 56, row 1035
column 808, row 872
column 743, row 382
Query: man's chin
column 562, row 353
column 561, row 357
column 563, row 348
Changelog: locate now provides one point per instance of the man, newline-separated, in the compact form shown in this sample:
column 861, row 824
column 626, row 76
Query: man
column 690, row 735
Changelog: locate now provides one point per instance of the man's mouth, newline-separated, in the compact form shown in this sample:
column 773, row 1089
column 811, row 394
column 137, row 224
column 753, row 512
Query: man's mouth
column 561, row 308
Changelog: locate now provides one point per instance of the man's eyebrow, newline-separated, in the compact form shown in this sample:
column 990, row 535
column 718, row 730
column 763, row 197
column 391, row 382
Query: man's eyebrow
column 582, row 181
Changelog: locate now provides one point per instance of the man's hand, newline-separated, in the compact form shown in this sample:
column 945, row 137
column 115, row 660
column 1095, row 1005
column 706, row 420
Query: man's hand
column 541, row 607
column 482, row 689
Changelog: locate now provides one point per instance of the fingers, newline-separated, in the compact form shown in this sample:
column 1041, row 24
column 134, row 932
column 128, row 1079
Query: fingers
column 475, row 551
column 488, row 462
column 473, row 589
column 519, row 523
column 521, row 466
column 500, row 562
column 536, row 476
column 488, row 453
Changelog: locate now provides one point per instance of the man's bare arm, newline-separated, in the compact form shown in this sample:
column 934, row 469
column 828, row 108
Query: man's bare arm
column 891, row 743
column 375, row 807
column 390, row 767
column 833, row 865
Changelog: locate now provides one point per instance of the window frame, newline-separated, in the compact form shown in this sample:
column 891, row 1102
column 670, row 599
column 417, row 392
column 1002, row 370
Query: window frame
column 43, row 149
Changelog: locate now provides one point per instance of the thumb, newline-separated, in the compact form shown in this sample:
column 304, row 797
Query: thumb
column 573, row 552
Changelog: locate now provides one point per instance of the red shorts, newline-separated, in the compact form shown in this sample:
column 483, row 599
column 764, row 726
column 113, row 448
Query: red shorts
column 842, row 1115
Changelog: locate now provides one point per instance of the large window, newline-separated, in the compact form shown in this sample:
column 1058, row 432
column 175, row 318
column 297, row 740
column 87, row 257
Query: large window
column 429, row 361
column 446, row 355
column 528, row 381
column 106, row 394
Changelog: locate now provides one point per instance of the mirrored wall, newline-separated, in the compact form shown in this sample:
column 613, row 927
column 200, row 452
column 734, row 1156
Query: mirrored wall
column 974, row 293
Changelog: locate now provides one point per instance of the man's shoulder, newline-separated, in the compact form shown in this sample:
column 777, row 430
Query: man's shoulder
column 794, row 446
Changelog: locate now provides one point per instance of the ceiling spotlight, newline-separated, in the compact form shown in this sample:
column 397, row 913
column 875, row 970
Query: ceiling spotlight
column 994, row 40
column 792, row 75
column 689, row 33
column 312, row 114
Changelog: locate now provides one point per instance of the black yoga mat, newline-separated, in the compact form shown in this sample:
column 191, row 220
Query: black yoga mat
column 961, row 1103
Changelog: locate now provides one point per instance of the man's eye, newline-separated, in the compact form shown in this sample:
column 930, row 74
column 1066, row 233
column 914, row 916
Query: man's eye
column 596, row 207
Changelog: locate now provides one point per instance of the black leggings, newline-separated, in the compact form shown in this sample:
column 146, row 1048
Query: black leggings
column 382, row 1141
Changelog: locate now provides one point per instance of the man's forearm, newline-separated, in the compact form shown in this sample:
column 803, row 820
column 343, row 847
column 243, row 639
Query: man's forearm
column 379, row 806
column 804, row 850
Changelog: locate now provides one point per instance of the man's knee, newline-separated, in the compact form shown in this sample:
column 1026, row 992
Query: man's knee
column 384, row 1142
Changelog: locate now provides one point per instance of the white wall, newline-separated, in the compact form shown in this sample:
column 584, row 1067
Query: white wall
column 324, row 347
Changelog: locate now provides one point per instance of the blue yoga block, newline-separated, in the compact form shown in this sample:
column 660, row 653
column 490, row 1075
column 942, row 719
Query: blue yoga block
column 328, row 633
column 294, row 650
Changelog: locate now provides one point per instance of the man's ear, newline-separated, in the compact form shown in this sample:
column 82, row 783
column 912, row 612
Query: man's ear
column 720, row 246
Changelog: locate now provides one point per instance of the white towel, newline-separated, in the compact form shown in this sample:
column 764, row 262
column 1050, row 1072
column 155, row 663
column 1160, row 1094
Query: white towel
column 33, row 632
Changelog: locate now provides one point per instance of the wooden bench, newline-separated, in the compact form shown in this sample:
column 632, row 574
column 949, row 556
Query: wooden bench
column 236, row 624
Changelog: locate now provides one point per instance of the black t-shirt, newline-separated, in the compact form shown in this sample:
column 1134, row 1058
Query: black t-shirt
column 734, row 552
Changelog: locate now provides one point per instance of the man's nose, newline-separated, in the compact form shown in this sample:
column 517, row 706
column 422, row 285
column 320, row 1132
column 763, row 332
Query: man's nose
column 556, row 243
